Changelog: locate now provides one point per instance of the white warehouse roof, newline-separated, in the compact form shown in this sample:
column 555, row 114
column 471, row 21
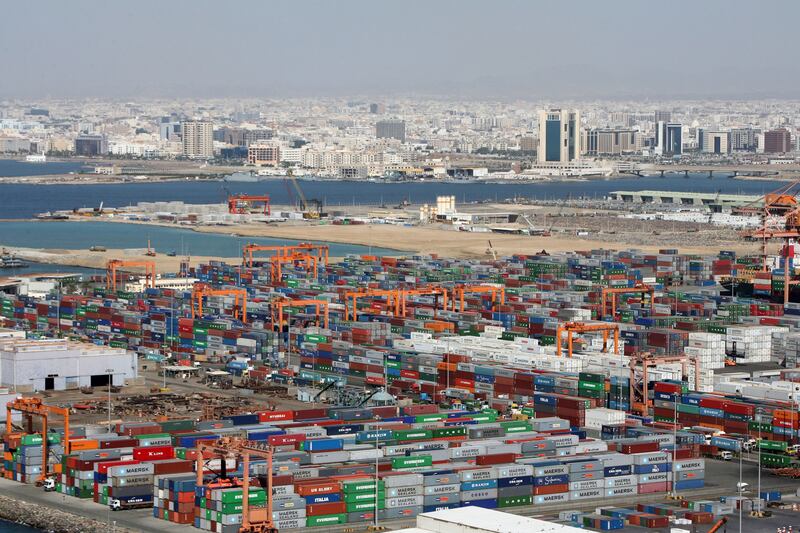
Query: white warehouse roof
column 480, row 520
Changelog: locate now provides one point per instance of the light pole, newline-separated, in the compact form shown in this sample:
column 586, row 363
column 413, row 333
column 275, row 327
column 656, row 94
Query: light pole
column 110, row 372
column 376, row 478
column 740, row 485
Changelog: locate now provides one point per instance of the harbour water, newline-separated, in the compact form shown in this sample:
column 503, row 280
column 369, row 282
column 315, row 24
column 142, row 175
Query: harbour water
column 14, row 168
column 11, row 527
column 25, row 200
column 82, row 235
column 47, row 268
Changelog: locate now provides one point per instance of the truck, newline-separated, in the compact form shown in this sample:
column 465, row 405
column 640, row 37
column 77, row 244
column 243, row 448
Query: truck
column 132, row 502
column 49, row 484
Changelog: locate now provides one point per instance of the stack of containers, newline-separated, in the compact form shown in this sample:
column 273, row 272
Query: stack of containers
column 330, row 510
column 131, row 484
column 22, row 457
column 404, row 495
column 749, row 344
column 219, row 507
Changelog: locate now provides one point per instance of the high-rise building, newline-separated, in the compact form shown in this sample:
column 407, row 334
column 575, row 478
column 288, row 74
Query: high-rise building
column 669, row 138
column 604, row 141
column 744, row 139
column 662, row 116
column 198, row 139
column 377, row 109
column 777, row 141
column 391, row 129
column 559, row 136
column 716, row 142
column 262, row 153
column 91, row 145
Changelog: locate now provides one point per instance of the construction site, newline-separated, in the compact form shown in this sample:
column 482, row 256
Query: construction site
column 287, row 389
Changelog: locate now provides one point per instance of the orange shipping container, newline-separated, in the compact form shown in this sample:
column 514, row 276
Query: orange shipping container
column 84, row 444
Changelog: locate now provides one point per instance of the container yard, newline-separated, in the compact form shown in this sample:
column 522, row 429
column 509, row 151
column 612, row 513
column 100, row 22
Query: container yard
column 605, row 389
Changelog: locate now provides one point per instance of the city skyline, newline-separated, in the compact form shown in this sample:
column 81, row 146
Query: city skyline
column 458, row 49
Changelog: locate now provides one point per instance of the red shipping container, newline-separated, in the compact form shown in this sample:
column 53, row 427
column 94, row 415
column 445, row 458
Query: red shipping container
column 649, row 488
column 311, row 489
column 149, row 453
column 317, row 509
column 551, row 489
column 639, row 447
column 310, row 414
column 286, row 440
column 102, row 468
column 172, row 466
column 495, row 459
column 273, row 416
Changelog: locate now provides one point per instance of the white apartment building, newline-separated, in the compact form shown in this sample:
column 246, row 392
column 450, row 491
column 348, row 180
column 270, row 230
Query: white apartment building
column 198, row 139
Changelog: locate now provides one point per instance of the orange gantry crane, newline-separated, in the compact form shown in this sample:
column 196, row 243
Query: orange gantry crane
column 30, row 407
column 582, row 327
column 498, row 294
column 256, row 520
column 392, row 301
column 320, row 251
column 307, row 261
column 115, row 265
column 780, row 220
column 641, row 363
column 201, row 290
column 321, row 309
column 395, row 299
column 639, row 288
column 238, row 204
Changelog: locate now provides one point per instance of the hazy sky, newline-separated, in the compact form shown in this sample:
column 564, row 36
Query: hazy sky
column 554, row 49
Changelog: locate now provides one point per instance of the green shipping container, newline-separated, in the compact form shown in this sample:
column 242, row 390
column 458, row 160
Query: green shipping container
column 514, row 501
column 400, row 463
column 361, row 485
column 326, row 520
column 412, row 434
column 364, row 497
column 772, row 445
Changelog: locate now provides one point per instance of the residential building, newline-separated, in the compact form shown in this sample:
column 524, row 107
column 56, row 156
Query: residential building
column 391, row 129
column 777, row 141
column 744, row 139
column 91, row 145
column 527, row 143
column 377, row 109
column 559, row 136
column 198, row 139
column 262, row 153
column 241, row 136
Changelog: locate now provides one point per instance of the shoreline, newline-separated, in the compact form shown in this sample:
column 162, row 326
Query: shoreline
column 428, row 240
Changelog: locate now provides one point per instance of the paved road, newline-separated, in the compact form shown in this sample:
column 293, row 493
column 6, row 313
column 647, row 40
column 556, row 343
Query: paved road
column 135, row 519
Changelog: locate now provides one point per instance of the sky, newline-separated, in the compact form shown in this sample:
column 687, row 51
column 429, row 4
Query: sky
column 499, row 49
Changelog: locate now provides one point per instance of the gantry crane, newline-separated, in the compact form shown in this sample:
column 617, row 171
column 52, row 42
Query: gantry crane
column 30, row 407
column 321, row 309
column 640, row 288
column 780, row 219
column 582, row 327
column 320, row 251
column 498, row 294
column 436, row 292
column 114, row 265
column 641, row 363
column 201, row 290
column 238, row 204
column 308, row 261
column 392, row 301
column 395, row 299
column 257, row 520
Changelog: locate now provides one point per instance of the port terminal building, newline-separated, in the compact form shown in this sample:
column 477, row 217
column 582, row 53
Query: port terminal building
column 686, row 198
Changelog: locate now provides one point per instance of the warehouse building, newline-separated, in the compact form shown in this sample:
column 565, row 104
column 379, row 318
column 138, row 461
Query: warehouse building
column 60, row 364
